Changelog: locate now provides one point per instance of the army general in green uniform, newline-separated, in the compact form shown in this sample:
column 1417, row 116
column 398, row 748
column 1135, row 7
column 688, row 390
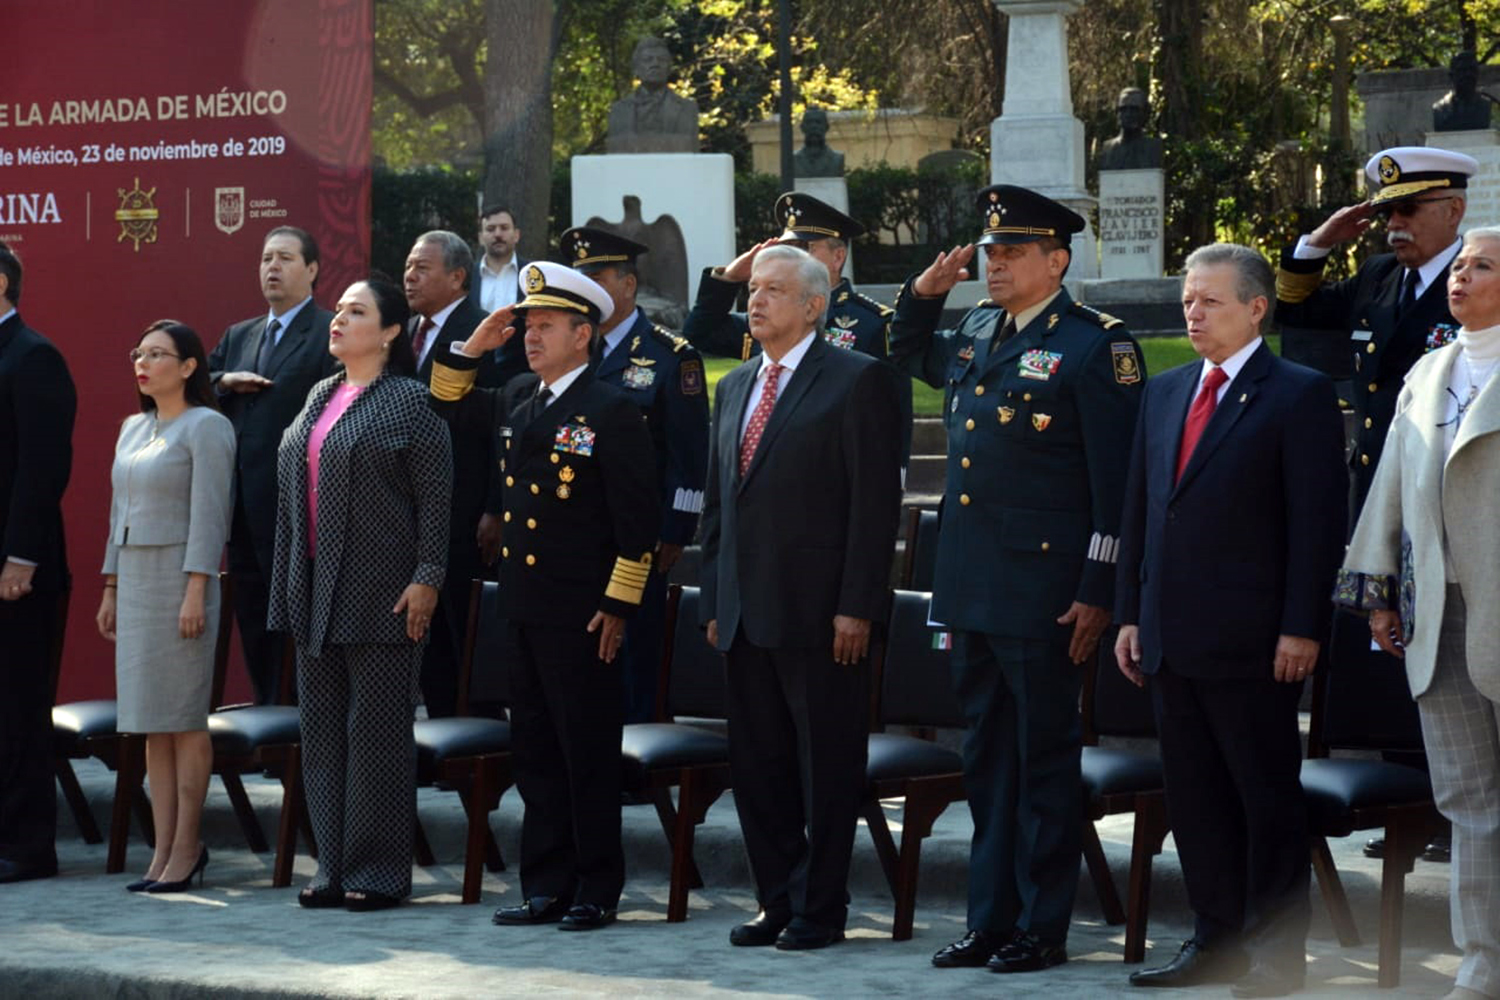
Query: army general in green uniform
column 1041, row 400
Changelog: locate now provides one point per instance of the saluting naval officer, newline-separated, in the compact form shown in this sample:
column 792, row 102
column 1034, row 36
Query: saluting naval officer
column 663, row 375
column 852, row 321
column 1041, row 399
column 580, row 519
column 1393, row 310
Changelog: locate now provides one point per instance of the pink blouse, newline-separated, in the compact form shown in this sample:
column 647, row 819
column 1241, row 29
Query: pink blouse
column 340, row 401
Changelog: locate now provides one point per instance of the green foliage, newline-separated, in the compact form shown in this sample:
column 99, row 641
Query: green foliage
column 754, row 200
column 405, row 204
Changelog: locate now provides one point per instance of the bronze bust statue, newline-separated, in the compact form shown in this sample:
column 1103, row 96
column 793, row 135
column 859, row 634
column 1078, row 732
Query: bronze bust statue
column 815, row 158
column 652, row 119
column 1132, row 149
column 1465, row 106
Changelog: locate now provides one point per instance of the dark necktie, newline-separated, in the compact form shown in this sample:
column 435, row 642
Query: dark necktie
column 267, row 348
column 1198, row 416
column 538, row 403
column 424, row 330
column 1006, row 332
column 1408, row 293
column 757, row 425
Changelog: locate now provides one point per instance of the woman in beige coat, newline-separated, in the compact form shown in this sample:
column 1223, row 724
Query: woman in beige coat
column 1425, row 563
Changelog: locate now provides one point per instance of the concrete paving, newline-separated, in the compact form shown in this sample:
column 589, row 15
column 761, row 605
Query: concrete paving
column 82, row 935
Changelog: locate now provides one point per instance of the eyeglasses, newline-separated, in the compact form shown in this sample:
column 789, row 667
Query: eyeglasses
column 152, row 356
column 1409, row 207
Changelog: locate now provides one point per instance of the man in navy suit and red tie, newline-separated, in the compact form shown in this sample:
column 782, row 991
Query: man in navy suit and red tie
column 1232, row 532
column 799, row 522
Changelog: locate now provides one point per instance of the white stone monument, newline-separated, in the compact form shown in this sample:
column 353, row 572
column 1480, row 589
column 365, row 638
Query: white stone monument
column 1484, row 187
column 1132, row 206
column 696, row 189
column 1036, row 142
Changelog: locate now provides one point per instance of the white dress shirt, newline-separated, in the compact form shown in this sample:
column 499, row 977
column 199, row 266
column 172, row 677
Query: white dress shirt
column 498, row 288
column 1231, row 366
column 438, row 319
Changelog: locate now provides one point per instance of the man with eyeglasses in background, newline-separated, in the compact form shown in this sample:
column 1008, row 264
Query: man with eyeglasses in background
column 1394, row 309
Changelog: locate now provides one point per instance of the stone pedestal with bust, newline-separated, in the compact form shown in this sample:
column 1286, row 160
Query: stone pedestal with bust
column 816, row 158
column 651, row 118
column 1465, row 107
column 1132, row 194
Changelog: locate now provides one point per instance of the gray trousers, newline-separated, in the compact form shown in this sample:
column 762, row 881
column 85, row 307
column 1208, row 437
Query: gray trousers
column 359, row 764
column 1462, row 730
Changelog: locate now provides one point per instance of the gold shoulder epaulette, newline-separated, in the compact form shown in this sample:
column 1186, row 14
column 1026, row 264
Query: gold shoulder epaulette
column 1096, row 317
column 668, row 338
column 1295, row 286
column 879, row 308
column 451, row 384
column 628, row 581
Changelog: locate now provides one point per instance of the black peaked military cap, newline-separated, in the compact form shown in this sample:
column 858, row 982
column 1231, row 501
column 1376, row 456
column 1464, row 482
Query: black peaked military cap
column 586, row 249
column 1017, row 215
column 803, row 217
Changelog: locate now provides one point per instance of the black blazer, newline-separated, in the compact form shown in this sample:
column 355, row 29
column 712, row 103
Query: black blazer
column 300, row 361
column 809, row 532
column 1215, row 568
column 509, row 360
column 581, row 513
column 37, row 405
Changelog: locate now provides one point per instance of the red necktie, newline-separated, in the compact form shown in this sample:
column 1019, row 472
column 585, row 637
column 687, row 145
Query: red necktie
column 757, row 425
column 420, row 340
column 1198, row 414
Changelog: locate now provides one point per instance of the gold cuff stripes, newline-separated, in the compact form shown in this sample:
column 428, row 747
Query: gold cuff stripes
column 628, row 582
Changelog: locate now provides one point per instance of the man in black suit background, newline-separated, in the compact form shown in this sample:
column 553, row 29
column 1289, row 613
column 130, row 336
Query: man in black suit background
column 799, row 524
column 496, row 282
column 1232, row 532
column 439, row 269
column 37, row 405
column 263, row 368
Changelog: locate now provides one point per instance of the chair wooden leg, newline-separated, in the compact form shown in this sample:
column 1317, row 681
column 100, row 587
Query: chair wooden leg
column 291, row 808
column 244, row 812
column 78, row 804
column 885, row 844
column 1150, row 831
column 1405, row 837
column 1332, row 889
column 420, row 847
column 1104, row 883
column 130, row 767
column 925, row 802
column 661, row 798
column 684, row 870
column 476, row 804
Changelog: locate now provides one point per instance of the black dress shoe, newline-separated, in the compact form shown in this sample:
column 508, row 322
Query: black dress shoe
column 1267, row 981
column 1375, row 848
column 758, row 933
column 804, row 935
column 14, row 871
column 586, row 917
column 1027, row 953
column 1440, row 851
column 1196, row 965
column 970, row 951
column 364, row 901
column 536, row 910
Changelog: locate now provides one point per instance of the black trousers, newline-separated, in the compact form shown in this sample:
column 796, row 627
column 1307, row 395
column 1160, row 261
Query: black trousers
column 1232, row 757
column 250, row 562
column 565, row 734
column 640, row 654
column 28, row 800
column 1022, row 760
column 798, row 741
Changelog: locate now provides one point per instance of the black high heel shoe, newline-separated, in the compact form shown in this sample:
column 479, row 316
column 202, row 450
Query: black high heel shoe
column 140, row 885
column 184, row 884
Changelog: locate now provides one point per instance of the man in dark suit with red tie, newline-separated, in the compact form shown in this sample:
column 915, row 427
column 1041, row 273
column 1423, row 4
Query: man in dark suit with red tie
column 262, row 369
column 37, row 404
column 799, row 523
column 1232, row 532
column 439, row 269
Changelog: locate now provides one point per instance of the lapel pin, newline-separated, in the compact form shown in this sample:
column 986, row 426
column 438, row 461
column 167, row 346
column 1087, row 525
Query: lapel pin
column 1244, row 396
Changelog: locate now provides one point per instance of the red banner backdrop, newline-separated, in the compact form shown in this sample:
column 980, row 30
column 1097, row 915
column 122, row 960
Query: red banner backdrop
column 145, row 151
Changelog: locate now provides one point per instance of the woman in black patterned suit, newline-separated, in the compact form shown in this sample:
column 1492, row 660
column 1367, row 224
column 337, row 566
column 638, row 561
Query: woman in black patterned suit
column 364, row 476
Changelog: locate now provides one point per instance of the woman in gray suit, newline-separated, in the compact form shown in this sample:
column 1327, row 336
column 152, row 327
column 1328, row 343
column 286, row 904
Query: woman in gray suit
column 1425, row 563
column 168, row 521
column 364, row 475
